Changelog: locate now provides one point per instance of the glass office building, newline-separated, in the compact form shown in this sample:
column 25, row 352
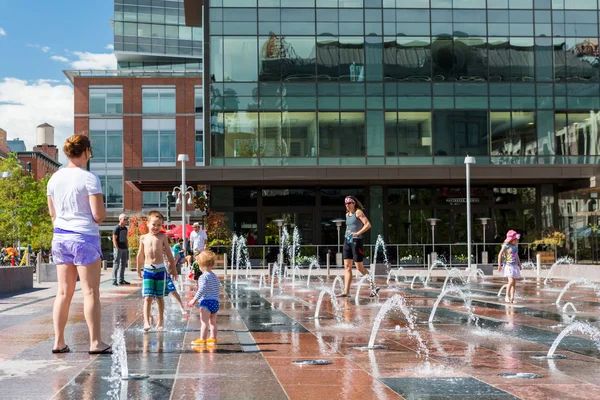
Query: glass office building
column 404, row 82
column 152, row 35
column 312, row 100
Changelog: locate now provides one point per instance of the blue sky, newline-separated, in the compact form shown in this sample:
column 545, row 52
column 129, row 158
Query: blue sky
column 60, row 25
column 38, row 40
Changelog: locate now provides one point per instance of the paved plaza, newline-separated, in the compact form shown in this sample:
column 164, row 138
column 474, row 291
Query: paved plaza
column 262, row 334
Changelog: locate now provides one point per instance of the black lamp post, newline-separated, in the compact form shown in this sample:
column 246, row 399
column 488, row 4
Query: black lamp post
column 170, row 201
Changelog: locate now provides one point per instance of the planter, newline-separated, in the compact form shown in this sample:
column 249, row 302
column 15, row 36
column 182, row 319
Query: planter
column 48, row 273
column 15, row 279
column 219, row 260
column 547, row 257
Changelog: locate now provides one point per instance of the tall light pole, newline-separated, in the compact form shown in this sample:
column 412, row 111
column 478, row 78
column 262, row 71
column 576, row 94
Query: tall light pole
column 280, row 222
column 468, row 161
column 484, row 254
column 5, row 174
column 338, row 224
column 433, row 222
column 181, row 194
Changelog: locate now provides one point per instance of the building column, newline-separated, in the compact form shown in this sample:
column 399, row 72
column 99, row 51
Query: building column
column 376, row 211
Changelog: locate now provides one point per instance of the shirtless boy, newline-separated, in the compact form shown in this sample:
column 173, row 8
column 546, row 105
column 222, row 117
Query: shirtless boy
column 153, row 247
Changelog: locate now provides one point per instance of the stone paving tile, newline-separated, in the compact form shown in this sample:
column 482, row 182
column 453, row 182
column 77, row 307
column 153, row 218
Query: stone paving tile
column 458, row 352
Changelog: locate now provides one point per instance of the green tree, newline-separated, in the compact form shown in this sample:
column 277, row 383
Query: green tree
column 23, row 212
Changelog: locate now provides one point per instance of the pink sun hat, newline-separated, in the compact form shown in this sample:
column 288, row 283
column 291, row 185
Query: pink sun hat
column 512, row 235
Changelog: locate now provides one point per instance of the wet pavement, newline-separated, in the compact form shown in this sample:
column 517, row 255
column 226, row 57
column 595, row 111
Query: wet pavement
column 262, row 334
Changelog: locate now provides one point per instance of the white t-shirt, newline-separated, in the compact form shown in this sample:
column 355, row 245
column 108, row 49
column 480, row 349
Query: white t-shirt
column 198, row 240
column 70, row 189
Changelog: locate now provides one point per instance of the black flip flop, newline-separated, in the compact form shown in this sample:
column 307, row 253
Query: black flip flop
column 343, row 295
column 107, row 350
column 65, row 349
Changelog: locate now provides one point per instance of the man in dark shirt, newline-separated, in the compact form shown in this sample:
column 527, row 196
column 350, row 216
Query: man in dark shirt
column 121, row 251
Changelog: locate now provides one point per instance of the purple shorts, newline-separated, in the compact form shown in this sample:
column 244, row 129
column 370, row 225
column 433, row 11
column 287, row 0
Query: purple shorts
column 75, row 248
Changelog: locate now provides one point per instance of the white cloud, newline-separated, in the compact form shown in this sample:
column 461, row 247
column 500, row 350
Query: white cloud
column 109, row 47
column 60, row 58
column 26, row 104
column 2, row 32
column 94, row 61
column 44, row 49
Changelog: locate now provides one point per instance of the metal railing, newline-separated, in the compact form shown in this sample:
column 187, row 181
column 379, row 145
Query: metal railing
column 404, row 255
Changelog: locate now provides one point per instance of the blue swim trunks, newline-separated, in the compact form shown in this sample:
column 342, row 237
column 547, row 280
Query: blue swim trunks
column 210, row 305
column 170, row 286
column 155, row 281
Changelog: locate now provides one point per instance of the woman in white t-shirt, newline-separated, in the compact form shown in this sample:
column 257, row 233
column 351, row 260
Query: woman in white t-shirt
column 77, row 207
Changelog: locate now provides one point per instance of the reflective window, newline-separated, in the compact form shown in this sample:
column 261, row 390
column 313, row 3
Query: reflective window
column 240, row 57
column 407, row 58
column 291, row 134
column 106, row 101
column 287, row 58
column 342, row 134
column 106, row 136
column 407, row 134
column 199, row 99
column 158, row 141
column 158, row 101
column 199, row 142
column 513, row 134
column 112, row 190
column 457, row 133
column 576, row 133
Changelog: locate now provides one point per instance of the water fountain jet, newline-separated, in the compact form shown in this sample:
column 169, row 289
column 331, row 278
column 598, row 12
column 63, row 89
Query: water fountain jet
column 396, row 302
column 578, row 281
column 582, row 327
column 333, row 297
column 119, row 357
column 453, row 289
column 560, row 261
column 338, row 280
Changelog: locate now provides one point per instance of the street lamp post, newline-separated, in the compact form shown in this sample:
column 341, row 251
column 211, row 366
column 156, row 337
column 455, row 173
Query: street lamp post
column 433, row 222
column 338, row 256
column 181, row 193
column 484, row 253
column 280, row 222
column 5, row 174
column 468, row 161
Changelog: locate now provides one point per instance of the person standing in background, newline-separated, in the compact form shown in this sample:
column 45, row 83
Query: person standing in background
column 121, row 251
column 198, row 239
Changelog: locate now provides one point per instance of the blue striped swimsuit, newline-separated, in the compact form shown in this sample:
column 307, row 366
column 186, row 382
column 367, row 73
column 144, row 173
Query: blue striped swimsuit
column 208, row 292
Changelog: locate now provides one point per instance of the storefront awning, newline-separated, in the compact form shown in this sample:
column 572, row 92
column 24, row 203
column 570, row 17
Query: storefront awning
column 165, row 178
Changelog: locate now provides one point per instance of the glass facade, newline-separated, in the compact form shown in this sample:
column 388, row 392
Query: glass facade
column 390, row 82
column 106, row 100
column 158, row 142
column 156, row 28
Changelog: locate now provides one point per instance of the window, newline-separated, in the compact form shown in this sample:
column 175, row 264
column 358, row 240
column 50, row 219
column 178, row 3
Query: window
column 199, row 99
column 199, row 142
column 408, row 134
column 513, row 134
column 106, row 101
column 575, row 134
column 457, row 133
column 106, row 136
column 158, row 141
column 112, row 190
column 154, row 200
column 158, row 101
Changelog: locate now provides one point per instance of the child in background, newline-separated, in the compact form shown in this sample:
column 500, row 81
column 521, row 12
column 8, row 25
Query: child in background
column 154, row 246
column 511, row 268
column 197, row 272
column 208, row 298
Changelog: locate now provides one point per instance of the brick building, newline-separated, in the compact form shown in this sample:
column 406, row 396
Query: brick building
column 117, row 113
column 42, row 160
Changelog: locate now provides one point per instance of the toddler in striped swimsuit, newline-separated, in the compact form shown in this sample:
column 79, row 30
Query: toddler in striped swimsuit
column 207, row 298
